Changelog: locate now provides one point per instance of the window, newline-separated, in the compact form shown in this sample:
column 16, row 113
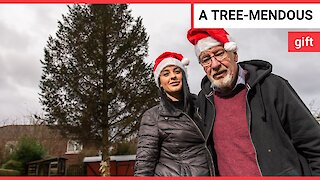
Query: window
column 74, row 147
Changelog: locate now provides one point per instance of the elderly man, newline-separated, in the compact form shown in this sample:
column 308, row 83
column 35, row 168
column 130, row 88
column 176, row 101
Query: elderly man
column 255, row 123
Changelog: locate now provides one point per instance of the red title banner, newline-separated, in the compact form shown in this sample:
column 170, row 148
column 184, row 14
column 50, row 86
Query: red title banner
column 304, row 41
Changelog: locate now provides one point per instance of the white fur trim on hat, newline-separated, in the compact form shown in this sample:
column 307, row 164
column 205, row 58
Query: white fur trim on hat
column 208, row 42
column 166, row 62
column 204, row 44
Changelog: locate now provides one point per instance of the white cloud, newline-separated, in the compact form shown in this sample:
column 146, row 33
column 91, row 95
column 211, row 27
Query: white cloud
column 24, row 30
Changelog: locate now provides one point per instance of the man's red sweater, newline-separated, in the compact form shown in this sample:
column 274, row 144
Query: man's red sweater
column 236, row 154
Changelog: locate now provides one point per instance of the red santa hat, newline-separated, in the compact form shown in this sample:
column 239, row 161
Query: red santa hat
column 204, row 39
column 166, row 59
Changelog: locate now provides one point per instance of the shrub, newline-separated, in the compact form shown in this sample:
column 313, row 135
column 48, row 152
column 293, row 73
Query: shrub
column 9, row 172
column 124, row 148
column 28, row 149
column 13, row 165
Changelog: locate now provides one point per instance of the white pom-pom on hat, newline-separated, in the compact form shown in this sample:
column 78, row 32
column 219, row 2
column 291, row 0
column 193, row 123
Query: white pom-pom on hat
column 185, row 61
column 230, row 46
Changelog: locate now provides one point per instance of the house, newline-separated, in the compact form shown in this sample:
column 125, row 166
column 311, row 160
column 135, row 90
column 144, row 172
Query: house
column 55, row 145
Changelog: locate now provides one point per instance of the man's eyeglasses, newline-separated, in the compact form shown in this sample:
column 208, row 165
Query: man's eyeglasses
column 207, row 59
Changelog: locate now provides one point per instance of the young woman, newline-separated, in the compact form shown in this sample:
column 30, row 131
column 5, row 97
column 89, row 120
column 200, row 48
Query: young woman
column 170, row 141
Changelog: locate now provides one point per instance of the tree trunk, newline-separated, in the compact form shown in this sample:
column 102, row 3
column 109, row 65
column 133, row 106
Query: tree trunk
column 105, row 163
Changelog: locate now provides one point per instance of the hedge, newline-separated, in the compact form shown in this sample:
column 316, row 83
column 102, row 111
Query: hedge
column 9, row 172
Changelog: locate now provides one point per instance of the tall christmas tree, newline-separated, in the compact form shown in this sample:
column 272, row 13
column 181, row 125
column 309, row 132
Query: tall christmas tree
column 95, row 84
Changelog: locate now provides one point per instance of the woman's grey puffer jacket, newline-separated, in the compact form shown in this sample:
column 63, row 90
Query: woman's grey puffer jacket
column 171, row 144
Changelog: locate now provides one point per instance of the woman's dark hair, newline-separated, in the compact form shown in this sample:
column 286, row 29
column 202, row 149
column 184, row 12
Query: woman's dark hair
column 188, row 104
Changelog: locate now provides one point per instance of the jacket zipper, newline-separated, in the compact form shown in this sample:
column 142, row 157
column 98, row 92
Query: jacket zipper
column 249, row 127
column 206, row 139
column 205, row 145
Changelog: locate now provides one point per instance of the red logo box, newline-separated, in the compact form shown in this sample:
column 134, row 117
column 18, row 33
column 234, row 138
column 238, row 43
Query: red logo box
column 303, row 41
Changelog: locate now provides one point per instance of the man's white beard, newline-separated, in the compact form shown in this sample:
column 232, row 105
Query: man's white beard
column 224, row 83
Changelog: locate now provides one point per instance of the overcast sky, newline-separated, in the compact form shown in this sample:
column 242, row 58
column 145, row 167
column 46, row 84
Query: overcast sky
column 24, row 30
